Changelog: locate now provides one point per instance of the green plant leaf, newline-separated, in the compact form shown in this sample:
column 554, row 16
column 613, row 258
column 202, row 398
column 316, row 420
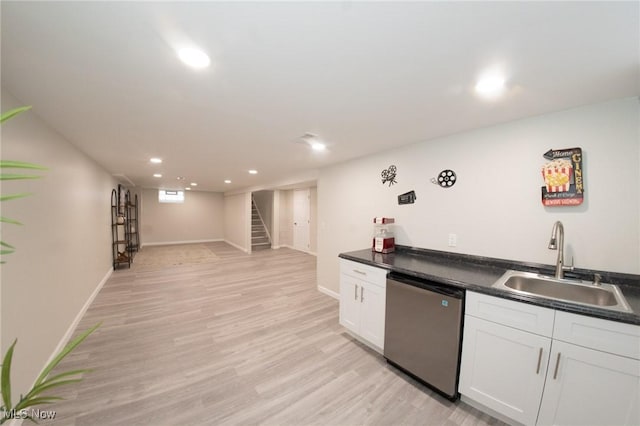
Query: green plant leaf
column 3, row 252
column 7, row 220
column 38, row 401
column 46, row 386
column 20, row 165
column 17, row 176
column 9, row 114
column 14, row 196
column 67, row 349
column 5, row 377
column 66, row 374
column 55, row 381
column 3, row 244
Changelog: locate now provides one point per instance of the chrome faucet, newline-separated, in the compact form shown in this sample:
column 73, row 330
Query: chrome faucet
column 557, row 243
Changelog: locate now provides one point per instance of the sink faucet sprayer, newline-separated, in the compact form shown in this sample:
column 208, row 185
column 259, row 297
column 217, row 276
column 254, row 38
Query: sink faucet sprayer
column 557, row 243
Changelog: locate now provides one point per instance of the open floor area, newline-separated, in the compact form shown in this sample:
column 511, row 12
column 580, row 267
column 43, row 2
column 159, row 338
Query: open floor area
column 235, row 339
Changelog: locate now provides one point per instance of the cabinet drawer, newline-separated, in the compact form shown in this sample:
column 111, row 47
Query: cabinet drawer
column 595, row 333
column 522, row 316
column 364, row 272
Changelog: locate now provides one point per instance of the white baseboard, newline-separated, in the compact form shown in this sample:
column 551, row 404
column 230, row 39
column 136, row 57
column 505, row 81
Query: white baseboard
column 236, row 246
column 312, row 253
column 329, row 292
column 168, row 243
column 74, row 324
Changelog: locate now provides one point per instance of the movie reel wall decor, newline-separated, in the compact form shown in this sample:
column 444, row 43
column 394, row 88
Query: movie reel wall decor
column 445, row 179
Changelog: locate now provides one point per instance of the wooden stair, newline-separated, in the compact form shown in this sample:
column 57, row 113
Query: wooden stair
column 260, row 239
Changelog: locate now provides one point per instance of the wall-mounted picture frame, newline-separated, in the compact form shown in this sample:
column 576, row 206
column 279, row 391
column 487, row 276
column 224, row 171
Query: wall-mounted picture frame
column 563, row 178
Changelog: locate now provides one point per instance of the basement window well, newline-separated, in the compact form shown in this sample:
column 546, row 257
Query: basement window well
column 170, row 196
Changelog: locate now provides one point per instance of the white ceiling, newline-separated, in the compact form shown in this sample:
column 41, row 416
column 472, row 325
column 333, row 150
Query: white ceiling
column 364, row 76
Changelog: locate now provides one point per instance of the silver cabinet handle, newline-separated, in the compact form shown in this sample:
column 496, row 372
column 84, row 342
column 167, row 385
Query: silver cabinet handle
column 361, row 294
column 539, row 361
column 555, row 372
column 359, row 272
column 356, row 292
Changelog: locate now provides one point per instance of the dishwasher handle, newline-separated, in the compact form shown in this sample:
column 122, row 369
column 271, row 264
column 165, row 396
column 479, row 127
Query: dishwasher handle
column 443, row 289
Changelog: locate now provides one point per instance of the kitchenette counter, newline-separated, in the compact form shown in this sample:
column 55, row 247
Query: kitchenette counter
column 478, row 274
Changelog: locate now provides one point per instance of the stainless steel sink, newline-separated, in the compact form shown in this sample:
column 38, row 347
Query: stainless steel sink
column 607, row 296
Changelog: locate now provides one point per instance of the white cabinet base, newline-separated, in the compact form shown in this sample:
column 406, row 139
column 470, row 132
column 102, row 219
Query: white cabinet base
column 589, row 387
column 504, row 368
column 493, row 413
column 539, row 366
column 362, row 302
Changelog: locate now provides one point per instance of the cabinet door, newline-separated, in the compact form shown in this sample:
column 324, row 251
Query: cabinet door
column 372, row 313
column 503, row 368
column 589, row 387
column 349, row 303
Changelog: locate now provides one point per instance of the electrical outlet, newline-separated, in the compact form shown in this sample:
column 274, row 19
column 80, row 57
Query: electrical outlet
column 453, row 240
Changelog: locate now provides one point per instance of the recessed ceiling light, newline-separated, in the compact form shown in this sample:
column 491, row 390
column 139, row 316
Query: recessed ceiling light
column 490, row 84
column 193, row 57
column 188, row 189
column 318, row 146
column 253, row 172
column 157, row 175
column 180, row 178
column 313, row 141
column 227, row 181
column 156, row 160
column 193, row 184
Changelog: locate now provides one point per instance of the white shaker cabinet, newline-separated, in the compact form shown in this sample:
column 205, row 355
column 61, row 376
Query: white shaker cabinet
column 534, row 365
column 503, row 365
column 362, row 301
column 595, row 381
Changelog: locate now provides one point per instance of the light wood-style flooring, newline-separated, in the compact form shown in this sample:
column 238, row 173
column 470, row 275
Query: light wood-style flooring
column 242, row 340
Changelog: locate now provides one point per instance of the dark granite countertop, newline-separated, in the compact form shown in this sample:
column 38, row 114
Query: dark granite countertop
column 480, row 273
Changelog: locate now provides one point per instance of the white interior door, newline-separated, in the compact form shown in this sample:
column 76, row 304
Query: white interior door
column 301, row 238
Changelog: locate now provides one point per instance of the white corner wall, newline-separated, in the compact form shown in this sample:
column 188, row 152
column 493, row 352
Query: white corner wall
column 63, row 250
column 495, row 208
column 237, row 220
column 200, row 218
column 313, row 219
column 286, row 218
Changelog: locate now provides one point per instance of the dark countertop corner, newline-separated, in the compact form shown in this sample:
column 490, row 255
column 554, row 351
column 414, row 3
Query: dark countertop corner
column 477, row 273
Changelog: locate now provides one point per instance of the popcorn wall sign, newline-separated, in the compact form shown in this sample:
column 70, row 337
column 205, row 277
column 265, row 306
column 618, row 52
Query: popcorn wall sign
column 563, row 180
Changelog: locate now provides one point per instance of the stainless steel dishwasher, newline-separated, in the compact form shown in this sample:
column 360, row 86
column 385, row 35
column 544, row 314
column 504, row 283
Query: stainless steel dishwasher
column 423, row 331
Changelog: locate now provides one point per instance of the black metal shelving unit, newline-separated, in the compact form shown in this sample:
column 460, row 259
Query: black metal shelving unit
column 132, row 224
column 120, row 234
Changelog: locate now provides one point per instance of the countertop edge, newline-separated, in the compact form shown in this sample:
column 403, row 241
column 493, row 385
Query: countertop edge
column 624, row 317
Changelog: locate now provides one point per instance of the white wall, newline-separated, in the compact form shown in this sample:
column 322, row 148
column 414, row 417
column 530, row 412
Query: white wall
column 237, row 220
column 495, row 208
column 199, row 218
column 286, row 218
column 63, row 251
column 313, row 219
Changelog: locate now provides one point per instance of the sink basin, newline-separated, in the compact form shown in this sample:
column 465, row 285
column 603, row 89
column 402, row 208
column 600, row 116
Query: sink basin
column 607, row 296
